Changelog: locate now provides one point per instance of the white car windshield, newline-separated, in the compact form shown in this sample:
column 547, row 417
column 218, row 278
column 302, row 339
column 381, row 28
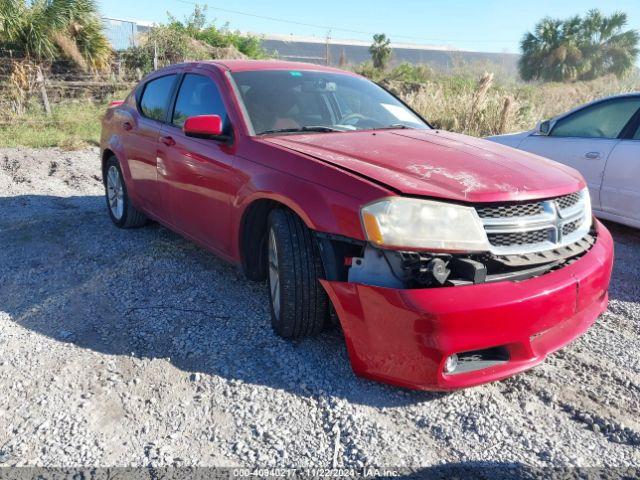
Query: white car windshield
column 281, row 101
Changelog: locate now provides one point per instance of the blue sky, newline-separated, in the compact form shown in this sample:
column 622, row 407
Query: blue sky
column 489, row 25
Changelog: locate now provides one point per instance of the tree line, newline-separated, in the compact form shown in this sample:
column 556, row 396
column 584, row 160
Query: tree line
column 577, row 48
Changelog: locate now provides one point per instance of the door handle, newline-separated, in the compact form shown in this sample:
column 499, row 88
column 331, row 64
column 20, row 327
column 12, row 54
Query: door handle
column 127, row 126
column 168, row 141
column 592, row 155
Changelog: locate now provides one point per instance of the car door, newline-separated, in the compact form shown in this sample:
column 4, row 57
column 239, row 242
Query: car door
column 198, row 174
column 620, row 194
column 141, row 137
column 585, row 138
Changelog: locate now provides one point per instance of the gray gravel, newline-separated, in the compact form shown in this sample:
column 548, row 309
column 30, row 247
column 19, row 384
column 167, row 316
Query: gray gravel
column 138, row 348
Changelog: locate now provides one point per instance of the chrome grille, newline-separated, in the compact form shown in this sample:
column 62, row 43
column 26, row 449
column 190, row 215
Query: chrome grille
column 571, row 227
column 519, row 238
column 516, row 210
column 568, row 201
column 519, row 228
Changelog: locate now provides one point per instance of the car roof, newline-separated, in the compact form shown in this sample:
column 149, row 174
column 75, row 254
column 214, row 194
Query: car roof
column 254, row 65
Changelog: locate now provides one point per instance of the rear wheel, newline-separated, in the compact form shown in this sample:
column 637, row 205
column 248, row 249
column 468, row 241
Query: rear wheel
column 122, row 213
column 299, row 304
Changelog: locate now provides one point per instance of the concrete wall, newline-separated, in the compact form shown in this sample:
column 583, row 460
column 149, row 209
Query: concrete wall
column 436, row 57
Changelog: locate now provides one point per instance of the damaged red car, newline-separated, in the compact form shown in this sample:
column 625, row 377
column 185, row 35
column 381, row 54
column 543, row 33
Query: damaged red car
column 449, row 261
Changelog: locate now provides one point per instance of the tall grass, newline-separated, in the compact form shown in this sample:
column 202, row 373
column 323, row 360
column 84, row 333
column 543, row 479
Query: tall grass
column 465, row 102
column 72, row 125
column 483, row 107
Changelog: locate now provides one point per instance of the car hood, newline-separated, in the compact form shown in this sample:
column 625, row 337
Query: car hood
column 440, row 164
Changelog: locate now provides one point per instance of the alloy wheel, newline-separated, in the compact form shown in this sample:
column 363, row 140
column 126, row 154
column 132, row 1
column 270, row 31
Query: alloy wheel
column 274, row 274
column 115, row 192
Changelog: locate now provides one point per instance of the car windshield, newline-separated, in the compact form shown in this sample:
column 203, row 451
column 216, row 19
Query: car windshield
column 288, row 101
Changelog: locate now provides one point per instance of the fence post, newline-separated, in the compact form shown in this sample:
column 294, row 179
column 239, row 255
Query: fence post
column 327, row 52
column 43, row 91
column 155, row 56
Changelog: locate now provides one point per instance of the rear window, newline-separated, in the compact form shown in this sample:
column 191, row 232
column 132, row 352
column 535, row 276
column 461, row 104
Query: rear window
column 155, row 98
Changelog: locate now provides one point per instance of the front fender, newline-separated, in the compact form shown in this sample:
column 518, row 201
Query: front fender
column 321, row 207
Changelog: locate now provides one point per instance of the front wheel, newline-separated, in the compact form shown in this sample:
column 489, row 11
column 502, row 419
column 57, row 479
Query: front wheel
column 122, row 213
column 299, row 304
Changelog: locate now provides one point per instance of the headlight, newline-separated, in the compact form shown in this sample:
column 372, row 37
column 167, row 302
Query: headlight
column 412, row 223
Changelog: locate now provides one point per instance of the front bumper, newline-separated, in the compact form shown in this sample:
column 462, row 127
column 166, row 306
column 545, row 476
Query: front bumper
column 403, row 337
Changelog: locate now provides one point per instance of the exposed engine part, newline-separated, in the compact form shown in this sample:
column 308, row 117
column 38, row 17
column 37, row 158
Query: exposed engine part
column 438, row 270
column 351, row 260
column 335, row 250
column 374, row 269
column 386, row 268
column 467, row 268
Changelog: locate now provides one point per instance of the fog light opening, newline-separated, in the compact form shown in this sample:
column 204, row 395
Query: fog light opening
column 463, row 362
column 451, row 363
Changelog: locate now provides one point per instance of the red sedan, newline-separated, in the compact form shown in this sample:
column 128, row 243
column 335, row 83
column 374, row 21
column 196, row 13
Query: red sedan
column 449, row 261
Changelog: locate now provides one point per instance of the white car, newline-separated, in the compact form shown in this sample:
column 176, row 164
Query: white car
column 601, row 140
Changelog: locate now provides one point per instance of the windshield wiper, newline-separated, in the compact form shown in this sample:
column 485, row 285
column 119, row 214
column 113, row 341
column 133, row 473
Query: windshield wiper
column 309, row 128
column 394, row 126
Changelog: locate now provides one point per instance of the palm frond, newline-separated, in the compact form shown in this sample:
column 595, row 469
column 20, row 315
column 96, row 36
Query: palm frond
column 50, row 29
column 579, row 48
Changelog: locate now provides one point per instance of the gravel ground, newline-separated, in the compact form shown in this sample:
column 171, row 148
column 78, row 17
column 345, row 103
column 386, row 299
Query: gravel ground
column 138, row 348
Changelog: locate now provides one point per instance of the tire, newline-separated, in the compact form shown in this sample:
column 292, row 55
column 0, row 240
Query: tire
column 122, row 213
column 299, row 304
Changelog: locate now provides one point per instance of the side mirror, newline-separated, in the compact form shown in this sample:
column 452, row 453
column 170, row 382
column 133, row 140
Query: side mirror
column 543, row 128
column 205, row 126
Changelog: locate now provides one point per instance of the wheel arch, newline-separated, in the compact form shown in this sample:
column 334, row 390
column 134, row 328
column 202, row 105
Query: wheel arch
column 253, row 231
column 115, row 148
column 106, row 155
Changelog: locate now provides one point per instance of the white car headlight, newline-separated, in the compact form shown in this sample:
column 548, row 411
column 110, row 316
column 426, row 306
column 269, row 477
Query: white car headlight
column 402, row 222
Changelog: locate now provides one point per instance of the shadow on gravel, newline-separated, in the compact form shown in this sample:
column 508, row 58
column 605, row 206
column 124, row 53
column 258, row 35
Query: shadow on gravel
column 623, row 233
column 68, row 273
column 625, row 280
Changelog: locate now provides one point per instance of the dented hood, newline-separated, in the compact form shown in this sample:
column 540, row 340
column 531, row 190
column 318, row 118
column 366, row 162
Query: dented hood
column 441, row 164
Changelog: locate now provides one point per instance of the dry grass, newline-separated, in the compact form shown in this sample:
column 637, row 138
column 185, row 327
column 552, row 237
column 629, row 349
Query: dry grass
column 477, row 105
column 70, row 49
column 20, row 85
column 483, row 107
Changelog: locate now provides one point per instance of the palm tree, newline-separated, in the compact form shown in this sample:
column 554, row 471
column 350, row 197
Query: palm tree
column 380, row 51
column 606, row 47
column 550, row 53
column 578, row 49
column 50, row 29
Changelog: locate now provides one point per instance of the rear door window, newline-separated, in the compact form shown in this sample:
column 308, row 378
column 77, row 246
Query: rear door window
column 603, row 120
column 198, row 95
column 155, row 98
